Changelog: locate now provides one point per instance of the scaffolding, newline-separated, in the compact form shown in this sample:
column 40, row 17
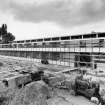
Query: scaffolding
column 82, row 51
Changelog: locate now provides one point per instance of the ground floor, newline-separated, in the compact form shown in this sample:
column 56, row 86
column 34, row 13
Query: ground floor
column 71, row 59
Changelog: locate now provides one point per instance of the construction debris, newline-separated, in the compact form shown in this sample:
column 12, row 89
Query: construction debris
column 23, row 83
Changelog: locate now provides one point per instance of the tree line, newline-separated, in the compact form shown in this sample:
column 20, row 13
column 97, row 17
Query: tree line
column 4, row 35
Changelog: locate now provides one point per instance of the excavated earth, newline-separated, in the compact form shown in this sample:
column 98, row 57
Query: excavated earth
column 37, row 92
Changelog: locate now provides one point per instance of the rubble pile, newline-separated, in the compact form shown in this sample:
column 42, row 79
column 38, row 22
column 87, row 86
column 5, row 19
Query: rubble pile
column 35, row 93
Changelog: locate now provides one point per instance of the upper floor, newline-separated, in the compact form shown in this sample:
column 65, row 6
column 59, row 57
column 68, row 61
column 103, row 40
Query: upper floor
column 77, row 41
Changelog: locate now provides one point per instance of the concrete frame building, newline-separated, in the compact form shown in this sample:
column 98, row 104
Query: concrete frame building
column 77, row 51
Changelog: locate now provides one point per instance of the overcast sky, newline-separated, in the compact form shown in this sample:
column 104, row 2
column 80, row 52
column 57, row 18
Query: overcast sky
column 28, row 19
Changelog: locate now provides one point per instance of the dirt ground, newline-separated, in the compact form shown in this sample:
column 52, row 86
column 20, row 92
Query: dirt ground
column 36, row 93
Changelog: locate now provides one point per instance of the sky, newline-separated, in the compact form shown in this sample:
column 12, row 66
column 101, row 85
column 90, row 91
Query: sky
column 30, row 19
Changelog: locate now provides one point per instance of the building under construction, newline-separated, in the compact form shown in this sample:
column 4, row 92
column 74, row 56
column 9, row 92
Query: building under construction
column 77, row 51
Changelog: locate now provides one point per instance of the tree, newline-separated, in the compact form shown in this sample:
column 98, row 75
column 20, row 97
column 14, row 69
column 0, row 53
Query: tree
column 6, row 36
column 4, row 29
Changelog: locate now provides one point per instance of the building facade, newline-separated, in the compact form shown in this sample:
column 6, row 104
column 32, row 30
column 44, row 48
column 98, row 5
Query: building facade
column 77, row 51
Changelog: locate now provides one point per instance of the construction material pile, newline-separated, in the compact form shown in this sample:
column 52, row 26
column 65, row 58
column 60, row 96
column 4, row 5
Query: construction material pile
column 22, row 85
